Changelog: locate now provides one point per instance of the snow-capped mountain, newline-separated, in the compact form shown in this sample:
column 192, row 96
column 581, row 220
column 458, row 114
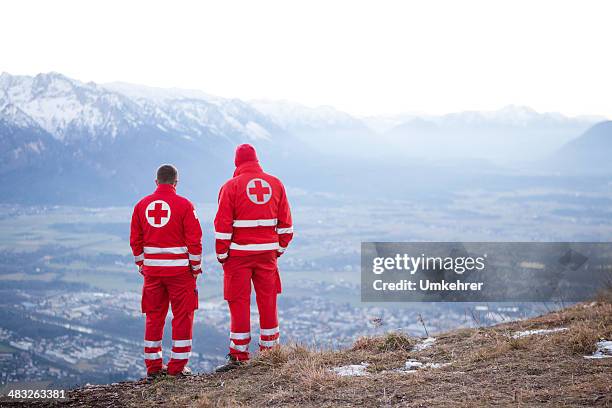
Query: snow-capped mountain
column 71, row 110
column 68, row 109
column 110, row 131
column 23, row 143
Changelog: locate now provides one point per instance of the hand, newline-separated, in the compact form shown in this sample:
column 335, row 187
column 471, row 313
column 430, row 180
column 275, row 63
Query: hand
column 195, row 275
column 140, row 270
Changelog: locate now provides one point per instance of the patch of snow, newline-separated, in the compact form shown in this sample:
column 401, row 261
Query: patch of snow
column 353, row 370
column 427, row 343
column 604, row 350
column 436, row 365
column 411, row 366
column 511, row 309
column 518, row 335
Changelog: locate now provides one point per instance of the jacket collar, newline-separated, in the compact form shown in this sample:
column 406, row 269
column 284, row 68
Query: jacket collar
column 248, row 167
column 166, row 188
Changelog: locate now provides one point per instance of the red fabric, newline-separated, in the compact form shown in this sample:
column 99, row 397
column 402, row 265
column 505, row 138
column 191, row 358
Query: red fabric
column 170, row 249
column 158, row 293
column 245, row 153
column 238, row 273
column 253, row 216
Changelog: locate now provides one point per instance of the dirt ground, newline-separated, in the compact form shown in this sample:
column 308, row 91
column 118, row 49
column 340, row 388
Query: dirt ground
column 472, row 367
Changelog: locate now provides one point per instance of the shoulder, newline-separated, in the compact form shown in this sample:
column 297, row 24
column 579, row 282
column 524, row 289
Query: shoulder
column 274, row 180
column 184, row 202
column 143, row 201
column 230, row 184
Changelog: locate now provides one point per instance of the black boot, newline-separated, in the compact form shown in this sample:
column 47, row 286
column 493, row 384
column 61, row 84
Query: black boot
column 230, row 364
column 156, row 374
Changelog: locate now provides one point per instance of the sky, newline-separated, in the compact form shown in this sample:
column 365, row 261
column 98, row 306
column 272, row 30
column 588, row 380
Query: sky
column 363, row 57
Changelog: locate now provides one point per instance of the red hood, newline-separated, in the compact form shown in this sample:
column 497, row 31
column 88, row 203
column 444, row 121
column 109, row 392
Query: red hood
column 245, row 153
column 248, row 167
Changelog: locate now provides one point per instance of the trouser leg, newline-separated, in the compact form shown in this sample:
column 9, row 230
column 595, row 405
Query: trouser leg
column 155, row 305
column 237, row 291
column 266, row 282
column 183, row 294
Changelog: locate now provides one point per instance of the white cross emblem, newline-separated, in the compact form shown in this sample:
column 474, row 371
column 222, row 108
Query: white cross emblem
column 158, row 213
column 259, row 191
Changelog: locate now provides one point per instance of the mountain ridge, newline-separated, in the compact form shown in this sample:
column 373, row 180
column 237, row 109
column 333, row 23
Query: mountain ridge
column 61, row 136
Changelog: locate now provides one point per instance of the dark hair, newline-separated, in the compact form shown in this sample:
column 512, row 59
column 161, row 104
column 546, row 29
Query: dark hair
column 167, row 174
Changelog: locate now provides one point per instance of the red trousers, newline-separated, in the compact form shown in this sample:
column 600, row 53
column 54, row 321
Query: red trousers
column 159, row 292
column 239, row 271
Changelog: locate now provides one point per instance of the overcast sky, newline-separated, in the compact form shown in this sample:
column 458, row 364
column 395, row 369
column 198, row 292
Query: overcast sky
column 374, row 57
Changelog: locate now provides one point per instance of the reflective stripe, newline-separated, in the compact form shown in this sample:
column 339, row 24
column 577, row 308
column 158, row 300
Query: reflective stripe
column 196, row 267
column 285, row 230
column 240, row 336
column 222, row 256
column 268, row 332
column 240, row 347
column 149, row 343
column 153, row 356
column 281, row 249
column 168, row 250
column 254, row 247
column 139, row 258
column 195, row 257
column 180, row 356
column 223, row 235
column 166, row 262
column 269, row 343
column 256, row 223
column 181, row 343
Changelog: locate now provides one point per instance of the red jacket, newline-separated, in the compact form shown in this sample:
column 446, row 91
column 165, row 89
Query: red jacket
column 253, row 215
column 166, row 237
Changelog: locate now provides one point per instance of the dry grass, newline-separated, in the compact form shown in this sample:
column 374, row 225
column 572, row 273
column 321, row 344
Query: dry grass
column 389, row 342
column 489, row 367
column 580, row 339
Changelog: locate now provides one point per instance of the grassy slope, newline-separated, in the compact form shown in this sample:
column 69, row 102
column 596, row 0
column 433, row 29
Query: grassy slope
column 488, row 367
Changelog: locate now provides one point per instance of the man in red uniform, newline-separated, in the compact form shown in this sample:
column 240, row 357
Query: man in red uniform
column 166, row 241
column 252, row 228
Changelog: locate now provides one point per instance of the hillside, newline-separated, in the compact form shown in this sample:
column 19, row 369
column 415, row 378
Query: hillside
column 540, row 361
column 589, row 153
